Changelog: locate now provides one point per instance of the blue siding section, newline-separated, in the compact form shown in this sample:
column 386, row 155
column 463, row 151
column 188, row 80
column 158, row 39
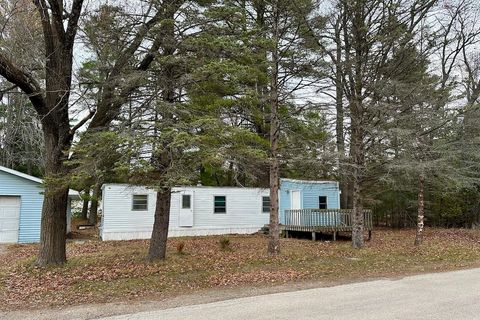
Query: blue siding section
column 31, row 196
column 309, row 193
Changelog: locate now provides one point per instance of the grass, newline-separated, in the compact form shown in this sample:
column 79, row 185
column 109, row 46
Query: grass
column 99, row 272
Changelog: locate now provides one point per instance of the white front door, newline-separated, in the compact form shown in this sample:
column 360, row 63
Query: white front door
column 185, row 218
column 296, row 200
column 9, row 219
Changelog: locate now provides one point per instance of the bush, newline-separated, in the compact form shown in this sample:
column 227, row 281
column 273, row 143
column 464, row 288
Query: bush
column 180, row 247
column 225, row 244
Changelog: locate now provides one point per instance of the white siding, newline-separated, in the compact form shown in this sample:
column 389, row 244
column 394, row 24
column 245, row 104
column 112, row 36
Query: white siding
column 244, row 212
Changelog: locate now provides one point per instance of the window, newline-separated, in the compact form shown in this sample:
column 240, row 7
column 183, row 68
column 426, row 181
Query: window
column 265, row 204
column 220, row 204
column 140, row 202
column 186, row 201
column 322, row 202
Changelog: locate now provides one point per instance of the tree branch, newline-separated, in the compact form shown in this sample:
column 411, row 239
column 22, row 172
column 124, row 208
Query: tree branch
column 56, row 7
column 73, row 21
column 46, row 26
column 82, row 122
column 25, row 82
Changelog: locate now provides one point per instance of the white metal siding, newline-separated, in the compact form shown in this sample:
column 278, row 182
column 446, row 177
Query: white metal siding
column 244, row 212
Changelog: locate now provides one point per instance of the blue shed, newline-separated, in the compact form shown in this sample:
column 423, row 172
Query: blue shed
column 304, row 194
column 21, row 200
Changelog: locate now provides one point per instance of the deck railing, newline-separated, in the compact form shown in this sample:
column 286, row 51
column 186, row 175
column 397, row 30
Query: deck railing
column 320, row 219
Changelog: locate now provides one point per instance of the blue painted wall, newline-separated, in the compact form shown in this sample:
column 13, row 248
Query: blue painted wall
column 30, row 207
column 309, row 193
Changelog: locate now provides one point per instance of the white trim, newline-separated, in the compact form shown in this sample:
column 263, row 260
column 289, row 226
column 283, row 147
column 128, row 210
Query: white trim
column 308, row 181
column 189, row 201
column 71, row 193
column 141, row 195
column 326, row 201
column 107, row 235
column 226, row 203
column 269, row 200
column 21, row 175
column 300, row 197
column 339, row 203
column 185, row 187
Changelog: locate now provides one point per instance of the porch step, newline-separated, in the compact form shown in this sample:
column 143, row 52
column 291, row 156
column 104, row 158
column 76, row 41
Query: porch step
column 264, row 230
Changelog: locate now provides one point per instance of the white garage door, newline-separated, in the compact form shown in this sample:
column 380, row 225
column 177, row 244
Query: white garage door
column 9, row 219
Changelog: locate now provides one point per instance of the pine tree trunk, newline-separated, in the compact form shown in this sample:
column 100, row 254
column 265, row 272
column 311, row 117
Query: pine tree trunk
column 421, row 210
column 93, row 217
column 86, row 202
column 358, row 218
column 158, row 241
column 356, row 57
column 340, row 115
column 274, row 231
column 358, row 154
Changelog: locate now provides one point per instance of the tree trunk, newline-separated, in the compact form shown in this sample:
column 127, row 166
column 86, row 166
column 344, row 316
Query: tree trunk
column 357, row 111
column 358, row 218
column 53, row 229
column 274, row 230
column 340, row 115
column 421, row 210
column 86, row 201
column 158, row 241
column 358, row 154
column 93, row 217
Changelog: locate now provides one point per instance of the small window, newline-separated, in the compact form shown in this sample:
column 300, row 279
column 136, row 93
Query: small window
column 140, row 202
column 265, row 204
column 186, row 201
column 220, row 204
column 322, row 202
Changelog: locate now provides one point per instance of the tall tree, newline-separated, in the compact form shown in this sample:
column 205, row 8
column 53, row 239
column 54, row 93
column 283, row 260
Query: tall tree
column 373, row 31
column 51, row 104
column 59, row 23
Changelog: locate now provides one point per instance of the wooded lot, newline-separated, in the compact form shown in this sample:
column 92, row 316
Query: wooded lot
column 380, row 95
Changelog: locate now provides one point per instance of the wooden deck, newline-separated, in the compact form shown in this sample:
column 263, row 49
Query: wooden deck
column 318, row 220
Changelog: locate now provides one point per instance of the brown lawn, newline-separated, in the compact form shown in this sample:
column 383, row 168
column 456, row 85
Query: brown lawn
column 100, row 272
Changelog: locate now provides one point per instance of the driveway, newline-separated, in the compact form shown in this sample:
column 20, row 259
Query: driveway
column 451, row 295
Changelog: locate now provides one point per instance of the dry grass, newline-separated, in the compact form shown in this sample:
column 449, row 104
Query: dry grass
column 117, row 271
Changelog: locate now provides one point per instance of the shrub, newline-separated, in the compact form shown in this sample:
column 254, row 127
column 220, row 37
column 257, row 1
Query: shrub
column 180, row 247
column 225, row 244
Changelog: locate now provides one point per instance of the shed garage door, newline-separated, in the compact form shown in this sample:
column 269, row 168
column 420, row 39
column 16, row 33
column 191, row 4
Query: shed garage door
column 9, row 219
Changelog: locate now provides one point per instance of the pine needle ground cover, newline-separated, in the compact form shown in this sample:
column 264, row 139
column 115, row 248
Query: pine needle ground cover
column 99, row 272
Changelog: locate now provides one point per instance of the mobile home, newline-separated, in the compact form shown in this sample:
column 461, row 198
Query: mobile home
column 306, row 194
column 128, row 211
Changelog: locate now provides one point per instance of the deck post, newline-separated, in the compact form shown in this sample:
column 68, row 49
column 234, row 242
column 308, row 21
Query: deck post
column 323, row 221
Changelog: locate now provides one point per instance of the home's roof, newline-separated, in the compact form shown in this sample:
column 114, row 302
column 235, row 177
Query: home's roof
column 229, row 187
column 20, row 174
column 71, row 193
column 308, row 181
column 126, row 185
